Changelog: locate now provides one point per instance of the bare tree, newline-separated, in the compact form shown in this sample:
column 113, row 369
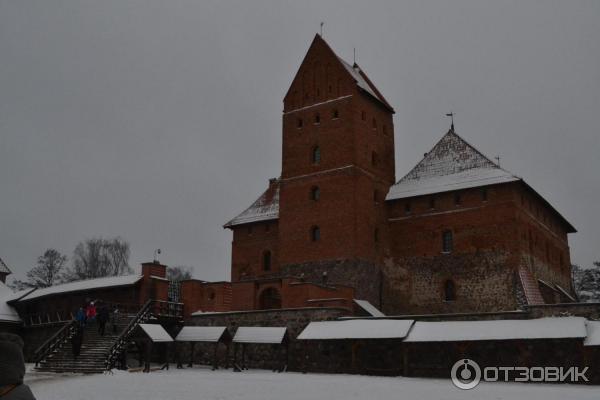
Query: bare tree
column 98, row 257
column 179, row 273
column 46, row 273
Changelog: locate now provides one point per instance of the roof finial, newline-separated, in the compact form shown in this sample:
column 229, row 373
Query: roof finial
column 497, row 160
column 322, row 23
column 451, row 115
column 354, row 57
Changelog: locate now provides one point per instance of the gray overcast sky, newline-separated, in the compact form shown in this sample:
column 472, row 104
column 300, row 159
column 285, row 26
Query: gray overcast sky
column 160, row 120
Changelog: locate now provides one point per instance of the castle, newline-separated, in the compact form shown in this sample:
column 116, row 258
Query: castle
column 456, row 234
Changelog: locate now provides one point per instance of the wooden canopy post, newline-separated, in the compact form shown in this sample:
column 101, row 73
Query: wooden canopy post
column 215, row 359
column 192, row 347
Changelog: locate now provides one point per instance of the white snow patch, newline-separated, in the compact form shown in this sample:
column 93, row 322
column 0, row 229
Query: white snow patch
column 356, row 329
column 7, row 312
column 593, row 333
column 542, row 328
column 370, row 308
column 202, row 383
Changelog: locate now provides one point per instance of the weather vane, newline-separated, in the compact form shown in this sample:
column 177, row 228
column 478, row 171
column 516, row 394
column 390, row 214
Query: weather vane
column 451, row 115
column 322, row 23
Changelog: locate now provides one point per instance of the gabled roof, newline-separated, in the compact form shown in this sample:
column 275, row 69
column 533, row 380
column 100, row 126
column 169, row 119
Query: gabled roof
column 156, row 333
column 357, row 329
column 89, row 284
column 4, row 268
column 354, row 71
column 260, row 334
column 453, row 164
column 265, row 208
column 201, row 334
column 7, row 312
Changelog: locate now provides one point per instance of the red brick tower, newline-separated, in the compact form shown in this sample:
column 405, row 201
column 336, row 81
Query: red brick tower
column 338, row 163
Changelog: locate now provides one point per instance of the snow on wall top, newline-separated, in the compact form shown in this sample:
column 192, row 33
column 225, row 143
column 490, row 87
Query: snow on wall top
column 156, row 332
column 454, row 331
column 370, row 308
column 593, row 333
column 254, row 334
column 265, row 208
column 89, row 284
column 452, row 164
column 356, row 329
column 200, row 334
column 4, row 268
column 7, row 313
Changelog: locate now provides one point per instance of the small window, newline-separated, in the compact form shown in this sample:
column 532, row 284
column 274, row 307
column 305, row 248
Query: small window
column 268, row 228
column 376, row 196
column 317, row 119
column 457, row 199
column 335, row 114
column 363, row 115
column 211, row 295
column 384, row 128
column 374, row 123
column 374, row 159
column 484, row 194
column 267, row 261
column 432, row 203
column 316, row 155
column 315, row 193
column 447, row 244
column 299, row 123
column 249, row 229
column 407, row 208
column 376, row 235
column 315, row 234
column 449, row 291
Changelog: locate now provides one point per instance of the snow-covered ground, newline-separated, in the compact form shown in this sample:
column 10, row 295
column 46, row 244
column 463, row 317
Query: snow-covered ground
column 204, row 384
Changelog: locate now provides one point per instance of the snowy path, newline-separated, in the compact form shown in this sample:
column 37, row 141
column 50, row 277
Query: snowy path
column 203, row 384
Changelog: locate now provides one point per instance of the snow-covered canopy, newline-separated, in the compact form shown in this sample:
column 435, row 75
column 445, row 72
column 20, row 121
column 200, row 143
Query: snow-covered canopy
column 7, row 313
column 254, row 334
column 200, row 334
column 89, row 284
column 456, row 331
column 356, row 329
column 370, row 308
column 156, row 333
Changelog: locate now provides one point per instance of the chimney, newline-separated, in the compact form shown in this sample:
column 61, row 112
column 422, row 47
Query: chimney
column 154, row 268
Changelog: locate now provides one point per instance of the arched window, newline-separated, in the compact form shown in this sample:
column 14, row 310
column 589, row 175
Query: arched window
column 407, row 208
column 299, row 123
column 317, row 118
column 335, row 114
column 447, row 242
column 449, row 291
column 315, row 193
column 432, row 202
column 315, row 233
column 316, row 155
column 457, row 199
column 266, row 260
column 374, row 123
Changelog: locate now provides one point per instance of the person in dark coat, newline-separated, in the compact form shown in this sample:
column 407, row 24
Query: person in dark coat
column 102, row 318
column 115, row 318
column 12, row 369
column 76, row 341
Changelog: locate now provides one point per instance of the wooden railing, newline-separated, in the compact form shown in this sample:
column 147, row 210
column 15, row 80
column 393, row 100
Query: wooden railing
column 55, row 341
column 62, row 316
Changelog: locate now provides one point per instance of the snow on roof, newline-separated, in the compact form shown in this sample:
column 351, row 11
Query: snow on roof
column 363, row 81
column 4, row 268
column 566, row 293
column 89, row 284
column 370, row 308
column 156, row 332
column 452, row 164
column 255, row 334
column 593, row 333
column 200, row 334
column 456, row 331
column 265, row 208
column 357, row 329
column 7, row 313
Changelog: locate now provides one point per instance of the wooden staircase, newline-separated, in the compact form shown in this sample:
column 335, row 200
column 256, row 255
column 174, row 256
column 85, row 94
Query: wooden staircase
column 94, row 349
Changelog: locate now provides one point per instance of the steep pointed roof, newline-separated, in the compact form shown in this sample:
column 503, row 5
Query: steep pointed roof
column 265, row 208
column 452, row 164
column 4, row 268
column 356, row 73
